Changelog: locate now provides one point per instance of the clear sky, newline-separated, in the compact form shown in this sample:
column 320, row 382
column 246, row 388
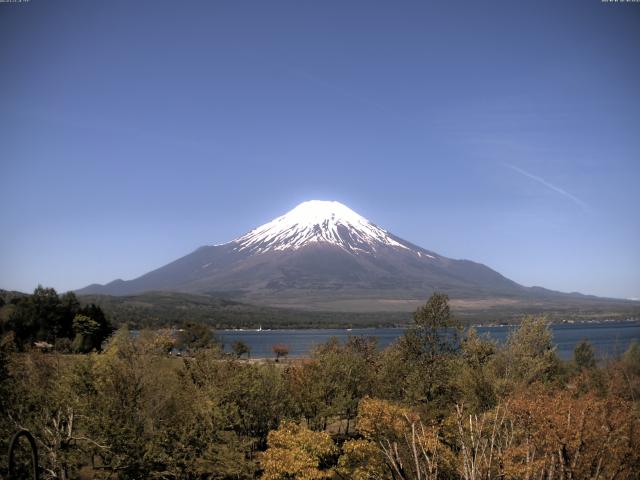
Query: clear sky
column 506, row 132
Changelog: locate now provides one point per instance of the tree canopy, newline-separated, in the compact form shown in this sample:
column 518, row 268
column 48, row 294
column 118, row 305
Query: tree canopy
column 46, row 316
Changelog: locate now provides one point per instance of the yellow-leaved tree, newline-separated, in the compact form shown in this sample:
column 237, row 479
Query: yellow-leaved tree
column 396, row 444
column 295, row 452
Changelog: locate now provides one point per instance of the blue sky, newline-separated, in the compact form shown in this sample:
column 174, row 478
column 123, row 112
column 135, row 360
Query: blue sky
column 503, row 132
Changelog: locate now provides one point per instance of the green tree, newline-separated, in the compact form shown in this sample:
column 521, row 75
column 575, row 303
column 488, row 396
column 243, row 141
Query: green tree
column 584, row 356
column 435, row 331
column 47, row 400
column 473, row 377
column 39, row 317
column 195, row 336
column 153, row 421
column 69, row 307
column 247, row 401
column 338, row 376
column 7, row 392
column 87, row 334
column 240, row 348
column 631, row 358
column 105, row 329
column 392, row 374
column 429, row 350
column 46, row 316
column 528, row 356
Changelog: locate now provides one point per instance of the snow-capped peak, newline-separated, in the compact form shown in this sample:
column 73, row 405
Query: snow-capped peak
column 317, row 221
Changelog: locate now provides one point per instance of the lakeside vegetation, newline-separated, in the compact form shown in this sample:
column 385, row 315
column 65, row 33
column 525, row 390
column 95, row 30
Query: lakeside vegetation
column 172, row 309
column 164, row 309
column 439, row 403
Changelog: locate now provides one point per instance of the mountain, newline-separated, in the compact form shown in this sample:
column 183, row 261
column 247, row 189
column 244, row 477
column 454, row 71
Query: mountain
column 323, row 255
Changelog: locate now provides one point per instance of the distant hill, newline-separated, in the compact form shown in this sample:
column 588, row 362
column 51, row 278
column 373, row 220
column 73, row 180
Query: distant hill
column 11, row 295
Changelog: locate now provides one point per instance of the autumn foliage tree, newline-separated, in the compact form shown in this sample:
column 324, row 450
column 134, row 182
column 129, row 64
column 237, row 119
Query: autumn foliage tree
column 280, row 350
column 295, row 452
column 395, row 444
column 559, row 436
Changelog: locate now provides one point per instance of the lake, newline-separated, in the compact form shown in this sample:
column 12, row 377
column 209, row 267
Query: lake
column 608, row 338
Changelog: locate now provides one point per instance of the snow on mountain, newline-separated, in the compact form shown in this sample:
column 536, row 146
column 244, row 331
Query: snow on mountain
column 318, row 221
column 321, row 252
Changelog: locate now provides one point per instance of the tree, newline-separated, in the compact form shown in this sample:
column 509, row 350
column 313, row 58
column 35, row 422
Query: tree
column 154, row 420
column 558, row 435
column 473, row 377
column 295, row 452
column 46, row 316
column 624, row 374
column 409, row 448
column 39, row 317
column 7, row 348
column 528, row 356
column 240, row 348
column 631, row 358
column 482, row 439
column 434, row 331
column 337, row 378
column 250, row 398
column 5, row 314
column 161, row 342
column 584, row 356
column 69, row 307
column 49, row 398
column 281, row 350
column 86, row 334
column 195, row 336
column 361, row 460
column 428, row 351
column 105, row 329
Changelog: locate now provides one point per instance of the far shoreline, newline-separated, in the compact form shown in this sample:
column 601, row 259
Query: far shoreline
column 408, row 325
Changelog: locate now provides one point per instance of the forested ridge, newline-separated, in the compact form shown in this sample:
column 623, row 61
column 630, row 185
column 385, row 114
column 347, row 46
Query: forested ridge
column 165, row 309
column 440, row 403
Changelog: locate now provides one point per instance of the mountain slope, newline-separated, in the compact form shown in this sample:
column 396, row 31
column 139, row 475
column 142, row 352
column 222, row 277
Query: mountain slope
column 321, row 253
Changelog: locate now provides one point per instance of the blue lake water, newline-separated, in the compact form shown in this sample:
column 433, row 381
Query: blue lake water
column 608, row 338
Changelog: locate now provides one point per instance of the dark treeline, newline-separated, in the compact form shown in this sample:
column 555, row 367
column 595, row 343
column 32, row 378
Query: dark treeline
column 439, row 403
column 53, row 321
column 166, row 309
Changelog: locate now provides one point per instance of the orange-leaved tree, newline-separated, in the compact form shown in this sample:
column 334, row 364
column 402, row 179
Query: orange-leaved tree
column 396, row 444
column 558, row 435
